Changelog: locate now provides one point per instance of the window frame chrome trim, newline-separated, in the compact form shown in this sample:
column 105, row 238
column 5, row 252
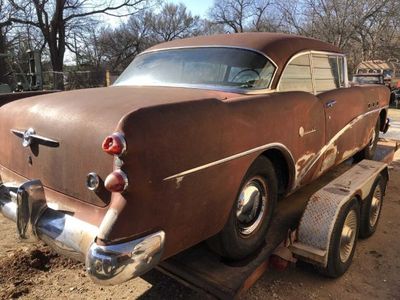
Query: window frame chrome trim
column 212, row 87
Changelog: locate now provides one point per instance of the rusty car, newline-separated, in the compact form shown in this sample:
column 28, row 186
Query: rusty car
column 196, row 141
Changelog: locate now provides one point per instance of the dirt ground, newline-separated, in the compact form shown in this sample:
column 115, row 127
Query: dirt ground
column 29, row 271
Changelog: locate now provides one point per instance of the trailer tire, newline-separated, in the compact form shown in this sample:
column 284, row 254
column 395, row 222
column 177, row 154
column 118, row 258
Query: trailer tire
column 371, row 208
column 251, row 213
column 343, row 242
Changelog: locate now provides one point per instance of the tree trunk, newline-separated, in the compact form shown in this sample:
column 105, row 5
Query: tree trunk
column 3, row 64
column 57, row 60
column 55, row 37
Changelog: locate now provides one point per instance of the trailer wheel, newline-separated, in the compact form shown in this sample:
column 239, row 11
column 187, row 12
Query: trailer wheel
column 343, row 240
column 371, row 208
column 251, row 213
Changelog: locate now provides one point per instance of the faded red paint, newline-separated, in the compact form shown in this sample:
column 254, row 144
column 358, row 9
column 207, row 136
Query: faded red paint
column 170, row 130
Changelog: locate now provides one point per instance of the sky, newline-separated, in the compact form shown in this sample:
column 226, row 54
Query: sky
column 197, row 7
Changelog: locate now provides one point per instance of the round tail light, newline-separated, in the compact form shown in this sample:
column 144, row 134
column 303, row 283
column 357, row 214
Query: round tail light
column 116, row 182
column 114, row 144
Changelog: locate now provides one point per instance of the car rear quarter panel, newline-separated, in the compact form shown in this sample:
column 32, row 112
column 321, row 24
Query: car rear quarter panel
column 170, row 139
column 350, row 122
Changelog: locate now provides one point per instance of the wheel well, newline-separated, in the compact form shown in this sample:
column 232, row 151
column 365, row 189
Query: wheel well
column 282, row 170
column 358, row 197
column 382, row 118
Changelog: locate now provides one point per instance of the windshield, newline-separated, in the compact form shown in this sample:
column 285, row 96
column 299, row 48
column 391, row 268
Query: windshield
column 215, row 67
column 368, row 79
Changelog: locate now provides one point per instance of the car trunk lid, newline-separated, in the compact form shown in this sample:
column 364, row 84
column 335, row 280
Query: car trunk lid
column 77, row 122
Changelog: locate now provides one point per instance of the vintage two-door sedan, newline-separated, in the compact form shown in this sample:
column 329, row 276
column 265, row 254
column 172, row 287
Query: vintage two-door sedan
column 196, row 140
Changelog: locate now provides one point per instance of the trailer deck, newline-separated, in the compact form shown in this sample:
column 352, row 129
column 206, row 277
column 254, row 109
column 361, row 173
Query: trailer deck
column 204, row 271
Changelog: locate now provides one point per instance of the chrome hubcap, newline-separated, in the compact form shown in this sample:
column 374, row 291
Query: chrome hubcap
column 376, row 204
column 348, row 236
column 251, row 206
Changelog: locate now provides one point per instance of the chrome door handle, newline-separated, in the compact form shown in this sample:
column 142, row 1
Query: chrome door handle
column 330, row 103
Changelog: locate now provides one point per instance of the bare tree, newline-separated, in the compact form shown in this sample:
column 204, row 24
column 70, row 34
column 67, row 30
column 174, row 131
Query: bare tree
column 208, row 27
column 231, row 13
column 174, row 21
column 244, row 15
column 56, row 19
column 118, row 47
column 365, row 29
column 6, row 12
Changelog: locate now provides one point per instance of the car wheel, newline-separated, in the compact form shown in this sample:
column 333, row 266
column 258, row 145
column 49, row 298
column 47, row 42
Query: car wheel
column 371, row 208
column 343, row 240
column 369, row 151
column 251, row 214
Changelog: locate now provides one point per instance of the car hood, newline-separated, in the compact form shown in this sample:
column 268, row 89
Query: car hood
column 79, row 121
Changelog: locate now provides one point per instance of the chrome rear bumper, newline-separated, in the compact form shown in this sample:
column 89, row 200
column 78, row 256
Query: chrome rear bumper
column 112, row 264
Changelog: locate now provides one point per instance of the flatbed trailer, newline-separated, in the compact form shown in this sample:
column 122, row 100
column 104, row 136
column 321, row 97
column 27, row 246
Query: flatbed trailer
column 204, row 271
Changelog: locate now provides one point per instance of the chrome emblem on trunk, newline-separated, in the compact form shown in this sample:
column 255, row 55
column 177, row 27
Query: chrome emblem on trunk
column 29, row 136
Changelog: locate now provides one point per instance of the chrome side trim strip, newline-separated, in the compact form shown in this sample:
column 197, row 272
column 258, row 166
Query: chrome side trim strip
column 278, row 145
column 333, row 140
column 226, row 159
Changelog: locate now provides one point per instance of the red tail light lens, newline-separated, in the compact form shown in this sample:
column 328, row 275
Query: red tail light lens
column 116, row 182
column 114, row 144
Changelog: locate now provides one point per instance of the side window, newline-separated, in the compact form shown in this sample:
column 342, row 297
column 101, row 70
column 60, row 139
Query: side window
column 328, row 72
column 297, row 75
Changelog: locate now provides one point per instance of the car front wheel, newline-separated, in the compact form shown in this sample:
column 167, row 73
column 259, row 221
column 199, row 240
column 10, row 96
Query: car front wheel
column 369, row 151
column 251, row 214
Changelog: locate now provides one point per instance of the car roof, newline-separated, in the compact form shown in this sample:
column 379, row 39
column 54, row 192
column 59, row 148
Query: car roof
column 279, row 47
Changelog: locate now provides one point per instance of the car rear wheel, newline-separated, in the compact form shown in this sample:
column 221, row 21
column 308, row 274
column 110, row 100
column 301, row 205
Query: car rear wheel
column 251, row 214
column 369, row 151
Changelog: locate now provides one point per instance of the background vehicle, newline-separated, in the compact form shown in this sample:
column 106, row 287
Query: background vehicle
column 368, row 78
column 388, row 69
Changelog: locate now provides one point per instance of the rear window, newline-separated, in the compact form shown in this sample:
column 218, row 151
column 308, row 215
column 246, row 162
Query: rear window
column 206, row 66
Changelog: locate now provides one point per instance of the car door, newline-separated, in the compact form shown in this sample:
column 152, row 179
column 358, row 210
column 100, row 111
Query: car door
column 308, row 115
column 343, row 107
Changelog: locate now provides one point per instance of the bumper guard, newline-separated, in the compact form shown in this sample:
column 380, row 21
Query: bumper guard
column 107, row 265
